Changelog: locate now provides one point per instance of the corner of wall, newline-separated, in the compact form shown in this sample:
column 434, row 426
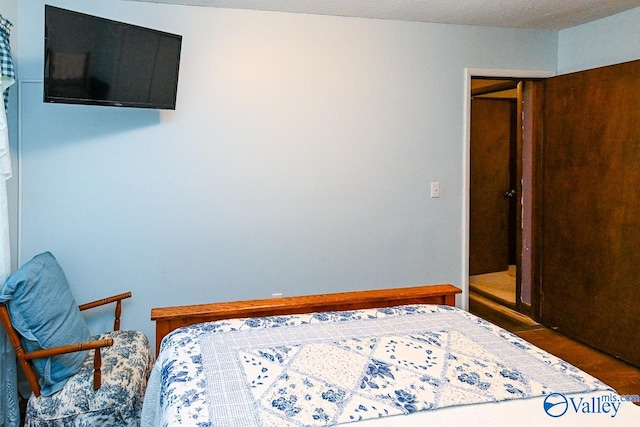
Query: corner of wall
column 606, row 41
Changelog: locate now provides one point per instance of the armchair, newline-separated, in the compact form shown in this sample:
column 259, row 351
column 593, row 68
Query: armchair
column 75, row 379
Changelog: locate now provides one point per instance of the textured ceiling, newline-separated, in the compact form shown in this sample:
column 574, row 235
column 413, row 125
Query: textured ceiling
column 540, row 14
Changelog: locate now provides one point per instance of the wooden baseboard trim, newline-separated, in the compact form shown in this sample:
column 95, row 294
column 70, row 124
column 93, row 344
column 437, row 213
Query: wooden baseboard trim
column 505, row 311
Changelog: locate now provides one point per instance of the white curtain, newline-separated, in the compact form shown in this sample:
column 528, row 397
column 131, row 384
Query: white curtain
column 9, row 412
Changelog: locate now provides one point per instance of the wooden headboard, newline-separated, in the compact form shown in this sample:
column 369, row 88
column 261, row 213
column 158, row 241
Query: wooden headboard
column 169, row 318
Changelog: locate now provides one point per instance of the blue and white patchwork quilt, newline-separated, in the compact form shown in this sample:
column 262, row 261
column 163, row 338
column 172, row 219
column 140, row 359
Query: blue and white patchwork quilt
column 340, row 367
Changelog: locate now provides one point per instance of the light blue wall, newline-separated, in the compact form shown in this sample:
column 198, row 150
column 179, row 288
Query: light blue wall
column 603, row 42
column 298, row 159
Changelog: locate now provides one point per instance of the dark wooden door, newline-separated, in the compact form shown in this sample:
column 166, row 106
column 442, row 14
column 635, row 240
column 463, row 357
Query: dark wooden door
column 491, row 135
column 590, row 262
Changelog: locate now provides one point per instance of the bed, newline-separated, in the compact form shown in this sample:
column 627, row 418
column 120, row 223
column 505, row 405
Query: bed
column 391, row 357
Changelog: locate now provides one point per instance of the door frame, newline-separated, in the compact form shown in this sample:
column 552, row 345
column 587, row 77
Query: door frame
column 466, row 161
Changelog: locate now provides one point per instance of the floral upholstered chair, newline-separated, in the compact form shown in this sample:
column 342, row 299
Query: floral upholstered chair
column 76, row 379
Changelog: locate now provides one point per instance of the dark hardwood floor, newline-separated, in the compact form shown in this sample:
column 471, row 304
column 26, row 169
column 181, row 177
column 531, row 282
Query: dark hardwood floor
column 622, row 376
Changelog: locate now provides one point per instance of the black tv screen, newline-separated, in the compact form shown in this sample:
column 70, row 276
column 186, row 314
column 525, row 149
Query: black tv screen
column 97, row 61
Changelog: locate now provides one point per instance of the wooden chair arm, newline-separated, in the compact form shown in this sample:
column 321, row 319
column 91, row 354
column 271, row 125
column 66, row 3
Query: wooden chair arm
column 88, row 345
column 117, row 299
column 70, row 348
column 25, row 358
column 104, row 301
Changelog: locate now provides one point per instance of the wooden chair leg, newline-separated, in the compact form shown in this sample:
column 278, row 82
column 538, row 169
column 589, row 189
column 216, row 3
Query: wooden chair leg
column 25, row 365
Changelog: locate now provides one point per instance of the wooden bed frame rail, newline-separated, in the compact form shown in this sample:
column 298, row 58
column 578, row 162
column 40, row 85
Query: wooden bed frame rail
column 169, row 318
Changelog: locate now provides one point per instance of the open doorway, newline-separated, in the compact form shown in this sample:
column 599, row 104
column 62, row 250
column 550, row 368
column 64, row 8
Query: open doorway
column 527, row 85
column 494, row 190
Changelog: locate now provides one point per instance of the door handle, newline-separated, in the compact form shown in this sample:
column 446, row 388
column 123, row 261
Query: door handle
column 510, row 194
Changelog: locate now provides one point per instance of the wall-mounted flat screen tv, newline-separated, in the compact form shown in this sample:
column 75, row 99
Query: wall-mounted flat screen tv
column 97, row 61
